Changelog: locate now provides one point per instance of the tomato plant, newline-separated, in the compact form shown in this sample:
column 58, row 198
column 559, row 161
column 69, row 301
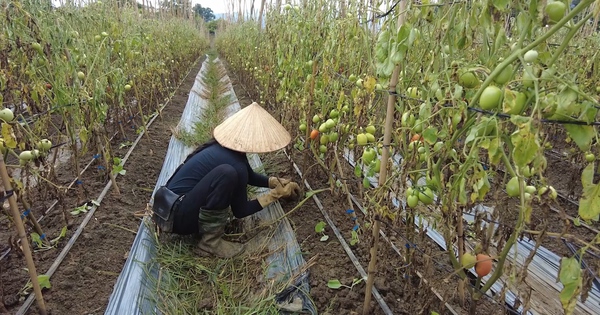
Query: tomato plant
column 481, row 87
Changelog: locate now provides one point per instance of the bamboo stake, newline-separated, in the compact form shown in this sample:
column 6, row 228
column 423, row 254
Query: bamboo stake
column 23, row 236
column 387, row 137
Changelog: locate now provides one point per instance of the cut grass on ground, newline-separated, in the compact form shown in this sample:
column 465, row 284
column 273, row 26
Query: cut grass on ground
column 190, row 284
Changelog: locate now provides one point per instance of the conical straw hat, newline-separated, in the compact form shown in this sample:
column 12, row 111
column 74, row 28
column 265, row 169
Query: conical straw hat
column 252, row 130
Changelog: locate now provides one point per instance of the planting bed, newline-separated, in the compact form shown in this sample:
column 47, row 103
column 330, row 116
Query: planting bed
column 85, row 279
column 403, row 291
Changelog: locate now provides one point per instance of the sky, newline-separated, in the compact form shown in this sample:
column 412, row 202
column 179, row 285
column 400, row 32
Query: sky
column 218, row 6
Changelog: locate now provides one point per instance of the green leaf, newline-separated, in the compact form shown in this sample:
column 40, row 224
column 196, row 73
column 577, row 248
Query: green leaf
column 44, row 281
column 36, row 239
column 582, row 135
column 570, row 271
column 568, row 297
column 334, row 284
column 430, row 135
column 357, row 170
column 589, row 204
column 487, row 126
column 320, row 227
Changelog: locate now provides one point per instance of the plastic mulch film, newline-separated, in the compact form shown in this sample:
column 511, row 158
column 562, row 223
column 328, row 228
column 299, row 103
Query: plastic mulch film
column 544, row 267
column 134, row 290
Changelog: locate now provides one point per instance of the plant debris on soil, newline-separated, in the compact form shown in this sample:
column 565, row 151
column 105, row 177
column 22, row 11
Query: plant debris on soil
column 86, row 278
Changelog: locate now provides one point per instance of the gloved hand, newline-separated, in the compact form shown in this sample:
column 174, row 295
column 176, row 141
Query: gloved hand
column 291, row 190
column 275, row 181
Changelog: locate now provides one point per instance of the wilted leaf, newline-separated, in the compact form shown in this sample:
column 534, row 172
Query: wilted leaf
column 589, row 204
column 8, row 136
column 582, row 135
column 524, row 140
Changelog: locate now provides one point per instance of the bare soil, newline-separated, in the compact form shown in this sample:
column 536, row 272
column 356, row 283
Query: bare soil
column 86, row 278
column 402, row 289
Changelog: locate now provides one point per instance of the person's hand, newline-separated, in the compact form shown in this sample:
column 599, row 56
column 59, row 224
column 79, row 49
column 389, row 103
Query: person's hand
column 289, row 191
column 276, row 181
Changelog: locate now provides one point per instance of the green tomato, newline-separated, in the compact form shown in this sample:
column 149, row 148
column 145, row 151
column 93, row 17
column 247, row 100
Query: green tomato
column 370, row 137
column 7, row 115
column 334, row 113
column 490, row 98
column 531, row 55
column 555, row 11
column 330, row 123
column 302, row 127
column 468, row 260
column 333, row 137
column 361, row 139
column 468, row 80
column 409, row 191
column 530, row 189
column 324, row 139
column 44, row 145
column 590, row 157
column 512, row 187
column 412, row 201
column 368, row 155
column 316, row 119
column 323, row 148
column 438, row 146
column 377, row 166
column 426, row 196
column 80, row 75
column 26, row 155
column 370, row 129
column 418, row 127
column 323, row 127
column 504, row 76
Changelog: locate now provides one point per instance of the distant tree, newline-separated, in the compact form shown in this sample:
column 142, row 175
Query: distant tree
column 206, row 13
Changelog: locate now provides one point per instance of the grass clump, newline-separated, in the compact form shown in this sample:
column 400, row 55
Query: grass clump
column 198, row 285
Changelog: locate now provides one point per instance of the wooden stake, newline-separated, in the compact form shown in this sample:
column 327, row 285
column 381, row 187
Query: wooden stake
column 387, row 137
column 23, row 236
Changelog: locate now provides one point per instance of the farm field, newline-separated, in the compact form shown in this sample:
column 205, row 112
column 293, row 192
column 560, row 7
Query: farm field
column 448, row 152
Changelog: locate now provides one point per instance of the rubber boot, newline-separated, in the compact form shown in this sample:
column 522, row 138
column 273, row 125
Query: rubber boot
column 212, row 228
column 212, row 242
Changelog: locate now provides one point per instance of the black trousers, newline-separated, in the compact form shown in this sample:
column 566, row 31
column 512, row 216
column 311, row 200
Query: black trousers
column 213, row 192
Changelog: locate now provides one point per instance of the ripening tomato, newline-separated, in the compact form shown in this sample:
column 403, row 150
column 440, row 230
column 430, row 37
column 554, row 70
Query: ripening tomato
column 314, row 134
column 483, row 265
column 416, row 137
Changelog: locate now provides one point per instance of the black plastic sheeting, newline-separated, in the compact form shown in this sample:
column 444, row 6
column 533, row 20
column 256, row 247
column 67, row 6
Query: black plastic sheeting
column 134, row 291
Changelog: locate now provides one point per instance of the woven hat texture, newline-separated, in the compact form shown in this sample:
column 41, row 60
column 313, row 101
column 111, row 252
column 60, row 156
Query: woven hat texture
column 252, row 130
